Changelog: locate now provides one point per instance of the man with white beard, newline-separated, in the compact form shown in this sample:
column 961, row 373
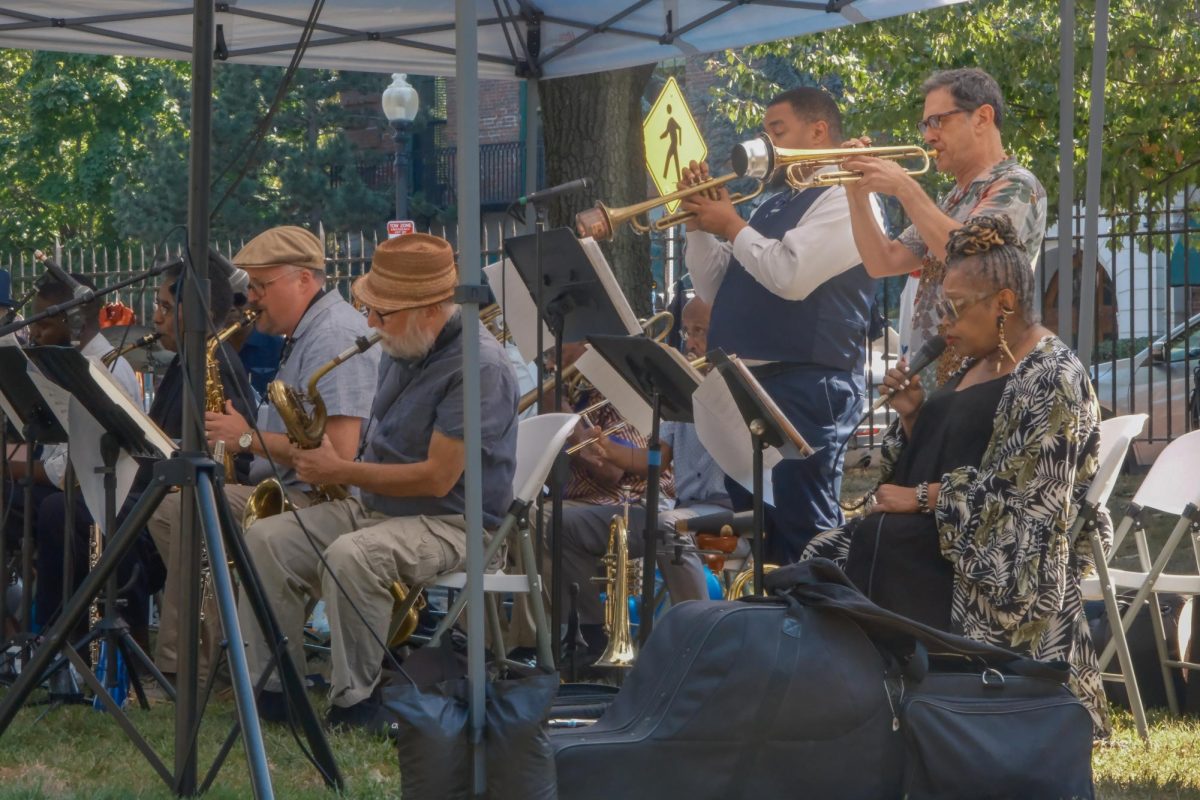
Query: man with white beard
column 408, row 524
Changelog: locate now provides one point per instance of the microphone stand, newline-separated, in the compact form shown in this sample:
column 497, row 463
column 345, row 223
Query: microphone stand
column 67, row 306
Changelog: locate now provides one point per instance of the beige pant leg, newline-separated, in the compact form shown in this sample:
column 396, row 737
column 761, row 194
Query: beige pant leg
column 366, row 562
column 288, row 564
column 164, row 529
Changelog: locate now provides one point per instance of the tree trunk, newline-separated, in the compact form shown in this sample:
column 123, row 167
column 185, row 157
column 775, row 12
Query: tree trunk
column 592, row 126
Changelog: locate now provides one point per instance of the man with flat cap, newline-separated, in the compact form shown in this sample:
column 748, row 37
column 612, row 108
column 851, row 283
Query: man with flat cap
column 286, row 266
column 408, row 525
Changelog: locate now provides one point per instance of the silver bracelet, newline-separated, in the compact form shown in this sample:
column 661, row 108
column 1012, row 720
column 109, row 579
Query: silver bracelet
column 923, row 498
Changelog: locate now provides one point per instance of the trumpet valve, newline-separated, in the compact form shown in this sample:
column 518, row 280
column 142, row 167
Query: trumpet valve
column 594, row 222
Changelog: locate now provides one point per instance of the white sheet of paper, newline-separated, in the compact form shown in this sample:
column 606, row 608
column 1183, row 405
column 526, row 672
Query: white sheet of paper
column 85, row 456
column 609, row 281
column 520, row 312
column 9, row 340
column 720, row 429
column 628, row 403
column 57, row 398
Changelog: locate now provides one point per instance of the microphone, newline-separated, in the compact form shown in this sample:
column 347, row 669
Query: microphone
column 928, row 353
column 542, row 195
column 62, row 276
column 738, row 521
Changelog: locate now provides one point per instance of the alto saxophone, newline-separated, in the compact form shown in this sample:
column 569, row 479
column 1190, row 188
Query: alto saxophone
column 214, row 390
column 304, row 430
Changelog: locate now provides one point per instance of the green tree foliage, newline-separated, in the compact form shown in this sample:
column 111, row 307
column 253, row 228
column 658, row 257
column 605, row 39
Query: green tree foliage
column 1152, row 104
column 71, row 128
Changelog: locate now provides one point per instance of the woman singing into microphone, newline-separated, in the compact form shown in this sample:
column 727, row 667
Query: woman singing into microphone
column 981, row 480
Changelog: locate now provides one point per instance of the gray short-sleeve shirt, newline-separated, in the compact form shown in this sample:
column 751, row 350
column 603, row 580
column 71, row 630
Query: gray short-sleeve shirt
column 416, row 398
column 328, row 327
column 698, row 479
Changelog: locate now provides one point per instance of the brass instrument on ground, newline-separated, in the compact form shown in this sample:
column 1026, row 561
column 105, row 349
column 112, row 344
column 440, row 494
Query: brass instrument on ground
column 601, row 222
column 404, row 625
column 214, row 390
column 117, row 352
column 304, row 429
column 758, row 158
column 621, row 651
column 744, row 580
column 571, row 376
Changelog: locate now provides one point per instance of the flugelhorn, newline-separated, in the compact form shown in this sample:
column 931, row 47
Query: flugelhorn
column 600, row 221
column 759, row 159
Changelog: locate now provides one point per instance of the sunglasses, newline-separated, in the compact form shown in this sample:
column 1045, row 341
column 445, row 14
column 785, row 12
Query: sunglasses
column 949, row 311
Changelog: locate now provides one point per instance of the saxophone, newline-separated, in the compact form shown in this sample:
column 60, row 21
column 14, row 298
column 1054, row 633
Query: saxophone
column 112, row 355
column 304, row 430
column 214, row 391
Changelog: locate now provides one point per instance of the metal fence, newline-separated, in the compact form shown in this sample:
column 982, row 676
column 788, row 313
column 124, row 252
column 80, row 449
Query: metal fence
column 1147, row 316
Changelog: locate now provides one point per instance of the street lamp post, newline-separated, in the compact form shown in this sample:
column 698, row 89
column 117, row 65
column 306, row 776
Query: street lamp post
column 400, row 104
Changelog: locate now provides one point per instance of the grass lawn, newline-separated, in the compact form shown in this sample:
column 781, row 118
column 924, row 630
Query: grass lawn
column 79, row 753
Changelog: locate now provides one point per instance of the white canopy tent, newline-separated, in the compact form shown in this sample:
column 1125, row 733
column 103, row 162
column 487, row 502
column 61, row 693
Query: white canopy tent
column 468, row 39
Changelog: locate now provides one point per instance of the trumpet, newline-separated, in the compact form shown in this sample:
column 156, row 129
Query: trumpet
column 571, row 377
column 758, row 158
column 621, row 651
column 600, row 222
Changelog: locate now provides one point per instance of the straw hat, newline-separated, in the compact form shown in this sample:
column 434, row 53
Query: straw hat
column 408, row 272
column 285, row 245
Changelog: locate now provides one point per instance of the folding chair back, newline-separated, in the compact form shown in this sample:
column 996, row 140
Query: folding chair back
column 1116, row 434
column 538, row 441
column 1174, row 479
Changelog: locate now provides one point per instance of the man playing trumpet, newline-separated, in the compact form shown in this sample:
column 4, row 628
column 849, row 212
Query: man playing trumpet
column 408, row 525
column 787, row 288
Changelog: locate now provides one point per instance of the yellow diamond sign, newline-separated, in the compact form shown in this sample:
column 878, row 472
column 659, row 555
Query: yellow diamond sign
column 672, row 140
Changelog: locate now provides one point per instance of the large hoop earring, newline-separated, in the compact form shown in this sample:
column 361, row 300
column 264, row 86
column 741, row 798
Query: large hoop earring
column 1003, row 346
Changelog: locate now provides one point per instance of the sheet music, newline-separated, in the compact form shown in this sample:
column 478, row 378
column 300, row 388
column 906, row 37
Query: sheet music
column 57, row 398
column 155, row 437
column 721, row 430
column 624, row 398
column 520, row 312
column 794, row 446
column 609, row 281
column 10, row 340
column 86, row 458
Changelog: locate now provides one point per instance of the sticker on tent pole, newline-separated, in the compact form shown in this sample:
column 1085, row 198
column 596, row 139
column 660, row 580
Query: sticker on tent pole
column 672, row 140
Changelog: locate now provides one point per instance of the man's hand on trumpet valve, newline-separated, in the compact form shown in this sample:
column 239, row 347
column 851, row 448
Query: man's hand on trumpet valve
column 226, row 427
column 318, row 465
column 713, row 210
column 880, row 175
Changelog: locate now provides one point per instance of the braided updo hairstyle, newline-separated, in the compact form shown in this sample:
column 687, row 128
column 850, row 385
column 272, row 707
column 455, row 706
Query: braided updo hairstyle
column 988, row 249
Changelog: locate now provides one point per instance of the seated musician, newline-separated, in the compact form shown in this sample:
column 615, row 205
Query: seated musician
column 982, row 479
column 600, row 486
column 286, row 266
column 408, row 525
column 699, row 482
column 167, row 412
column 49, row 471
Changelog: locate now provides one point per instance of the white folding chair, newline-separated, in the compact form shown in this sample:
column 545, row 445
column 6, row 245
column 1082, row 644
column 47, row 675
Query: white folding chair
column 1172, row 486
column 539, row 441
column 1116, row 434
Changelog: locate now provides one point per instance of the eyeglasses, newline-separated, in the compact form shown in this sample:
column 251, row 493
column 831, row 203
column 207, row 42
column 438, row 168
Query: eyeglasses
column 935, row 120
column 260, row 288
column 949, row 311
column 368, row 311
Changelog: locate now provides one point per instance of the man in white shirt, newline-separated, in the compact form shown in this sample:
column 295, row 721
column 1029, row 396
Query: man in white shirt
column 788, row 291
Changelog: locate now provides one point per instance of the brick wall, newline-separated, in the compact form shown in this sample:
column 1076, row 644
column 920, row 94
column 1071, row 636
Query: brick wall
column 499, row 112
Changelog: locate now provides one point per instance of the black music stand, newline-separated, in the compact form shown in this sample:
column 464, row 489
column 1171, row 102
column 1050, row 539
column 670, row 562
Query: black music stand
column 31, row 420
column 666, row 382
column 574, row 302
column 128, row 428
column 768, row 428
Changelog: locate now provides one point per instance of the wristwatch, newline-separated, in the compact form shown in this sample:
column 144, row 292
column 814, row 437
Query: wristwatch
column 245, row 440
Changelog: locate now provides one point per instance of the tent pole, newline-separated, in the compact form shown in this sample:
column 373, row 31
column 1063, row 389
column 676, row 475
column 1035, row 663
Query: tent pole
column 466, row 57
column 1091, row 225
column 1066, row 173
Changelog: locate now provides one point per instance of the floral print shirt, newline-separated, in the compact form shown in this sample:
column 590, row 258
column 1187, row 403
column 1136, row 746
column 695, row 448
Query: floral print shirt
column 1004, row 188
column 1007, row 526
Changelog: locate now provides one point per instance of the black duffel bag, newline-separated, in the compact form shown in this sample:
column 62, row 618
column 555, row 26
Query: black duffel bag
column 978, row 721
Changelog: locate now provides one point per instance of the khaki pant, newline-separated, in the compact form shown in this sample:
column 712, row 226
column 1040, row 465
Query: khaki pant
column 367, row 552
column 164, row 529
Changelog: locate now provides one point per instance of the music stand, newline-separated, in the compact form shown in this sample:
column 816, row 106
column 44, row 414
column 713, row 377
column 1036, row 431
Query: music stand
column 30, row 419
column 576, row 295
column 128, row 428
column 768, row 428
column 666, row 381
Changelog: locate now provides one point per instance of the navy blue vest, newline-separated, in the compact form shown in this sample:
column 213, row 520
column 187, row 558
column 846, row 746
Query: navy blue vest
column 828, row 328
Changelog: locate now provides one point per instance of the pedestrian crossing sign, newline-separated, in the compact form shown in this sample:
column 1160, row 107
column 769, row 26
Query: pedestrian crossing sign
column 672, row 140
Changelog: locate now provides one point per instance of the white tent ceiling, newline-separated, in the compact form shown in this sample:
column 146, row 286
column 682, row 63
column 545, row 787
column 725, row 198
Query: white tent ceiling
column 417, row 36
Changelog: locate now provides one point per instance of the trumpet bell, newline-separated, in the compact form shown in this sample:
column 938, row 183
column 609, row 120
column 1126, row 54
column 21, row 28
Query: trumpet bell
column 758, row 158
column 595, row 222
